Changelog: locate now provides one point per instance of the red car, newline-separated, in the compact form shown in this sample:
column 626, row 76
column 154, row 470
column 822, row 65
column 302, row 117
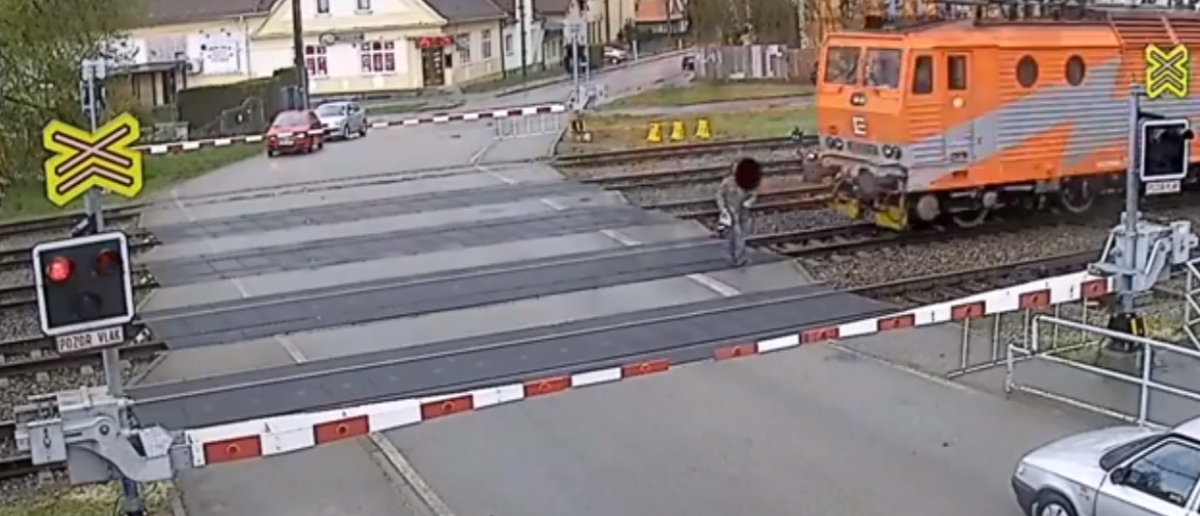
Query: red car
column 295, row 131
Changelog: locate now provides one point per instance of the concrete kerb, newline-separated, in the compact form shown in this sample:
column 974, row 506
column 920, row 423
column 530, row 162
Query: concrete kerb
column 602, row 71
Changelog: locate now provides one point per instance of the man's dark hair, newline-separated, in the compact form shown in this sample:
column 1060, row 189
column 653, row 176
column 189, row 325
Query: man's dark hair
column 747, row 172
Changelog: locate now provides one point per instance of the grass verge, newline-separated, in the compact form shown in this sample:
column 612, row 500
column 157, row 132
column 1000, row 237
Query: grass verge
column 710, row 92
column 618, row 132
column 28, row 198
column 97, row 500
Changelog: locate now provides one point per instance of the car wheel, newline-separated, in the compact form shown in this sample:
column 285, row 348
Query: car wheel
column 1049, row 503
column 363, row 132
column 346, row 132
column 270, row 153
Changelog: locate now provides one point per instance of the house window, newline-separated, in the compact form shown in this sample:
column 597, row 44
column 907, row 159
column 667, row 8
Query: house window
column 315, row 60
column 508, row 44
column 364, row 5
column 378, row 56
column 322, row 6
column 464, row 48
column 485, row 39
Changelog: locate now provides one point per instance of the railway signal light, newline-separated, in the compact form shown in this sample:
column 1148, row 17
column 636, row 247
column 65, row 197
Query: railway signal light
column 83, row 283
column 1165, row 149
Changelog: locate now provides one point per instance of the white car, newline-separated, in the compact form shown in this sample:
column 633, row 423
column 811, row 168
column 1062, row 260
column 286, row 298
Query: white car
column 1119, row 471
column 615, row 55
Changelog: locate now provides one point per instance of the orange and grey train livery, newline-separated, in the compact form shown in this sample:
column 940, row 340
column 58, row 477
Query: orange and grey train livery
column 961, row 118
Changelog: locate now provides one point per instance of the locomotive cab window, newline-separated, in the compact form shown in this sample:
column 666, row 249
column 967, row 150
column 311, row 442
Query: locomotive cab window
column 1027, row 71
column 841, row 65
column 883, row 68
column 1076, row 70
column 956, row 72
column 923, row 76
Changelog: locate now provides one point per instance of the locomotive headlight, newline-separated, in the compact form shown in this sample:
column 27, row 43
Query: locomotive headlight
column 891, row 152
column 835, row 143
column 811, row 156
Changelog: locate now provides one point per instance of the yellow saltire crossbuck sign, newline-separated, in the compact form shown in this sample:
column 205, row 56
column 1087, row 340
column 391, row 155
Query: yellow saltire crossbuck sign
column 83, row 160
column 1167, row 71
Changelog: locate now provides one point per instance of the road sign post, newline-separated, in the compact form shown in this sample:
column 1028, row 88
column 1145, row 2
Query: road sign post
column 574, row 30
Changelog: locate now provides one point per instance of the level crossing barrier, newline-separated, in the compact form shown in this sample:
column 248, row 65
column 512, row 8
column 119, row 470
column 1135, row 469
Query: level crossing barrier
column 1067, row 361
column 500, row 115
column 287, row 433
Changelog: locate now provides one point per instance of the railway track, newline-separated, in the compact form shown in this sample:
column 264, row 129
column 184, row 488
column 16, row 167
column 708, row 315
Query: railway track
column 113, row 215
column 789, row 199
column 689, row 176
column 21, row 258
column 26, row 295
column 686, row 150
column 29, row 355
column 920, row 290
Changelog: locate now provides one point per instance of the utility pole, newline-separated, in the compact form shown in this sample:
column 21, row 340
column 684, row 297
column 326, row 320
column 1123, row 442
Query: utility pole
column 524, row 38
column 94, row 73
column 298, row 54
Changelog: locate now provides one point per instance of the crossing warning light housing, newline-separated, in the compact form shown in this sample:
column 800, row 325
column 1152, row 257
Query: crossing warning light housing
column 83, row 283
column 1165, row 149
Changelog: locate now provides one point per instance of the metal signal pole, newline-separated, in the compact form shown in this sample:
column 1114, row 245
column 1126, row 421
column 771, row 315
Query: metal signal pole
column 94, row 72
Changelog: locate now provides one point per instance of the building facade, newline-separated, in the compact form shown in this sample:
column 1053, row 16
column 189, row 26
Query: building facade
column 350, row 46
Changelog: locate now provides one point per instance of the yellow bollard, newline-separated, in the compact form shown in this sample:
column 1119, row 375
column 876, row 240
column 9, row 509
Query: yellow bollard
column 655, row 135
column 703, row 131
column 678, row 133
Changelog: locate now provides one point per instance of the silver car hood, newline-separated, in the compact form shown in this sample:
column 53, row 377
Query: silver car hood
column 331, row 119
column 1077, row 457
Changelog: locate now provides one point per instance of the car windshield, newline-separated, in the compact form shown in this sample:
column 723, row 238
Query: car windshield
column 291, row 118
column 1117, row 455
column 883, row 68
column 331, row 109
column 841, row 65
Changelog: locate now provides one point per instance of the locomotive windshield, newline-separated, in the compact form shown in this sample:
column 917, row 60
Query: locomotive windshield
column 841, row 65
column 883, row 68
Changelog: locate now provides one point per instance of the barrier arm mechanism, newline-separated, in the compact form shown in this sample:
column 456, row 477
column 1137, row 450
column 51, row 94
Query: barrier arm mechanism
column 87, row 429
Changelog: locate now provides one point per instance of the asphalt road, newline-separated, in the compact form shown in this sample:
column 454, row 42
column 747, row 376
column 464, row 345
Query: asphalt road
column 812, row 431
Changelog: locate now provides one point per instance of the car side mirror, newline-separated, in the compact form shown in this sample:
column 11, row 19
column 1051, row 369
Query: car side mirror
column 1119, row 476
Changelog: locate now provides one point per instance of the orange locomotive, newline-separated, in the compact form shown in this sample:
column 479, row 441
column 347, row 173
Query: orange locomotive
column 960, row 118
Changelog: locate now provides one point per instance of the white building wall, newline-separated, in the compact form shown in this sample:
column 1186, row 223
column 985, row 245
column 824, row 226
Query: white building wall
column 512, row 41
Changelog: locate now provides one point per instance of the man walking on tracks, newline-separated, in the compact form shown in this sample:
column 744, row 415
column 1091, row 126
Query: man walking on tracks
column 736, row 194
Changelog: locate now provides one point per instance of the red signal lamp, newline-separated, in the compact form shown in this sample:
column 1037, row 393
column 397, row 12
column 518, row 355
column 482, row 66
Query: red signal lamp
column 59, row 269
column 108, row 262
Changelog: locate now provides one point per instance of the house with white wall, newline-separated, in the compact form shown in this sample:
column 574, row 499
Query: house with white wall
column 350, row 46
column 528, row 51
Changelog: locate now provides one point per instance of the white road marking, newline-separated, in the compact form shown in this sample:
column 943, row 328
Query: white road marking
column 240, row 288
column 503, row 178
column 553, row 205
column 706, row 281
column 291, row 349
column 145, row 300
column 903, row 368
column 479, row 154
column 418, row 484
column 179, row 204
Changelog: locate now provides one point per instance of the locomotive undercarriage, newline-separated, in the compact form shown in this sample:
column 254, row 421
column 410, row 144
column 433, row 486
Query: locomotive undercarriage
column 860, row 192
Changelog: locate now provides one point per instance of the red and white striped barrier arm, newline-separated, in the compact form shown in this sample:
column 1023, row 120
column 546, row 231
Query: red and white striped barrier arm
column 470, row 117
column 178, row 147
column 283, row 434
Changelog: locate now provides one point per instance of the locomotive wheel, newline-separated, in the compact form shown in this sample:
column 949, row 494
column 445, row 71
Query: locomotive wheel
column 1077, row 195
column 969, row 218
